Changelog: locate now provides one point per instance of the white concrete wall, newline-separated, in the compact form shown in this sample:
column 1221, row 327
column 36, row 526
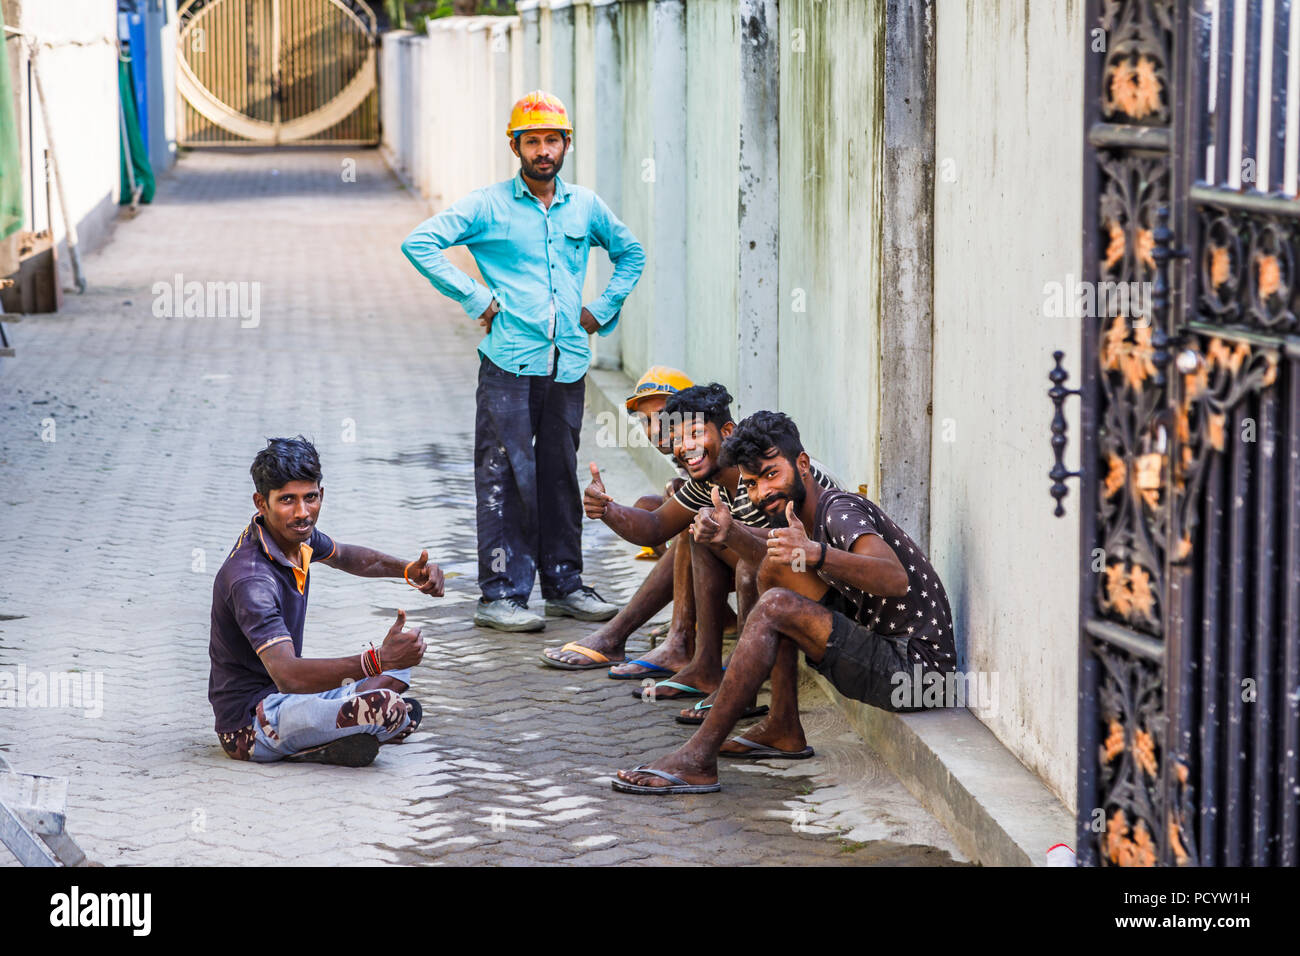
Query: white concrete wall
column 394, row 96
column 80, row 82
column 1009, row 98
column 636, row 44
column 581, row 164
column 830, row 146
column 445, row 101
column 712, row 190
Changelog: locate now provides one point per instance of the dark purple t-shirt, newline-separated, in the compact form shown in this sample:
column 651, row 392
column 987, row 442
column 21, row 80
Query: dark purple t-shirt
column 258, row 600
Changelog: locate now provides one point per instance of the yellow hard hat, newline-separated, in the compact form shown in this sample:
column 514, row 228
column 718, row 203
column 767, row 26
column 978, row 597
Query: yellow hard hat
column 538, row 110
column 658, row 380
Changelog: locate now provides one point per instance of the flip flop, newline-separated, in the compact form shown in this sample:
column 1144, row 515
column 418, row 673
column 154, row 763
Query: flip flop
column 760, row 752
column 597, row 659
column 698, row 715
column 687, row 691
column 678, row 784
column 653, row 669
column 416, row 714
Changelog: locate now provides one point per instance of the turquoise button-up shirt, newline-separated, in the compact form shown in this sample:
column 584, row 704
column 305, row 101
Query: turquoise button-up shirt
column 534, row 261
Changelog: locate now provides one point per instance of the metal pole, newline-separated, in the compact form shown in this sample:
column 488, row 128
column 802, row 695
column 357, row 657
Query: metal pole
column 69, row 226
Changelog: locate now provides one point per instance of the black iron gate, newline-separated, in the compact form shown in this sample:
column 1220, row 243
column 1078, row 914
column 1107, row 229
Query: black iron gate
column 1189, row 709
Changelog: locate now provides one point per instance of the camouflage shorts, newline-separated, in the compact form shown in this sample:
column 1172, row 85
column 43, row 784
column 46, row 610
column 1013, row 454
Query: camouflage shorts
column 287, row 724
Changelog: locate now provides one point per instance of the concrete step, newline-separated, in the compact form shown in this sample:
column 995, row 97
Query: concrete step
column 998, row 811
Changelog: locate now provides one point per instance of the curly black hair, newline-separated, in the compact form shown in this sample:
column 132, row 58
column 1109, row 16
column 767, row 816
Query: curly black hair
column 758, row 433
column 712, row 401
column 284, row 460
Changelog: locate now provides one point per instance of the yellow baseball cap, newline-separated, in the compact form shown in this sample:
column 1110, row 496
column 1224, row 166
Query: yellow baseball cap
column 658, row 380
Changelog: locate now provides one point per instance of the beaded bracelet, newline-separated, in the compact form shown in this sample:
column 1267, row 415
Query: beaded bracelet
column 370, row 662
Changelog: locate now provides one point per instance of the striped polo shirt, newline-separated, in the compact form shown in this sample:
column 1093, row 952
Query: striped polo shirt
column 695, row 495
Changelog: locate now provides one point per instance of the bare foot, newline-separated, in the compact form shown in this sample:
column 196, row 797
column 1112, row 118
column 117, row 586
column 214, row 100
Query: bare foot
column 611, row 649
column 679, row 765
column 671, row 657
column 789, row 739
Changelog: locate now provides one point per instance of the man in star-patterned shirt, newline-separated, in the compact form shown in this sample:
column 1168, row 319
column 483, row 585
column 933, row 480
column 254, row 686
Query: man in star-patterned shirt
column 920, row 619
column 855, row 595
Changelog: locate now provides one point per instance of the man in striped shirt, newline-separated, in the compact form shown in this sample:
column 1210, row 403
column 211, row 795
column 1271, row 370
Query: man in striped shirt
column 700, row 419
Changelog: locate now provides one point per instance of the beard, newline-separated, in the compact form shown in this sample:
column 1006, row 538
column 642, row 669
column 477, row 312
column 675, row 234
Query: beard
column 544, row 176
column 794, row 492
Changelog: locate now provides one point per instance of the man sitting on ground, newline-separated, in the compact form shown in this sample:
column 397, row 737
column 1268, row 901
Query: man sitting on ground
column 270, row 703
column 856, row 595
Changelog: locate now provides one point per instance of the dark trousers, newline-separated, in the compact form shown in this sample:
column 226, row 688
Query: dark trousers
column 529, row 511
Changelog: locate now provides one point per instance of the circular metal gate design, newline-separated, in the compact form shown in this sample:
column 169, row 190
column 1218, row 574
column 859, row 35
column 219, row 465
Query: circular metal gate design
column 270, row 72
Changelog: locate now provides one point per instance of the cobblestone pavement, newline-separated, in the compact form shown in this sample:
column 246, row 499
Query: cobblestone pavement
column 112, row 531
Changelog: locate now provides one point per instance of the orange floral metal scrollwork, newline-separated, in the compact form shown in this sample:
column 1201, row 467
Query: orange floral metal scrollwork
column 1214, row 379
column 1133, row 359
column 1127, row 591
column 1123, row 850
column 1134, row 88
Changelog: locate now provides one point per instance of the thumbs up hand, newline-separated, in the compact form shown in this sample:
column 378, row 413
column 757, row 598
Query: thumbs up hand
column 792, row 518
column 594, row 500
column 401, row 648
column 790, row 544
column 712, row 525
column 425, row 577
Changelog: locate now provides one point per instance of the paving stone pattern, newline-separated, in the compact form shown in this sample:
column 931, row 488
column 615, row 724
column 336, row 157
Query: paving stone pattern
column 112, row 532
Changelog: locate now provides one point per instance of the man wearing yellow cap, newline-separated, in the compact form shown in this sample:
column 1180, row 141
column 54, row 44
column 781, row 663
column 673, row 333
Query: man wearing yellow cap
column 530, row 236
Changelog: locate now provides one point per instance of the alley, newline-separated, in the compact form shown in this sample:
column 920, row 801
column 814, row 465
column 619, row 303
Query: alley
column 124, row 450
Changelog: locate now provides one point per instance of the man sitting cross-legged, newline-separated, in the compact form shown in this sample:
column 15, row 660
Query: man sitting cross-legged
column 270, row 703
column 700, row 420
column 855, row 594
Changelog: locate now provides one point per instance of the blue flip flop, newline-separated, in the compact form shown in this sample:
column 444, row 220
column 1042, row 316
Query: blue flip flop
column 678, row 785
column 687, row 691
column 653, row 669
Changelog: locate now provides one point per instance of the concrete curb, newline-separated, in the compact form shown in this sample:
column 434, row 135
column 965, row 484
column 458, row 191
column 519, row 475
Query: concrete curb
column 999, row 812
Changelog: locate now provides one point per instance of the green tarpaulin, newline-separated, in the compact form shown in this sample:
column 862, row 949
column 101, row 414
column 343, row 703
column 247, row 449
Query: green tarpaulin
column 133, row 150
column 11, row 167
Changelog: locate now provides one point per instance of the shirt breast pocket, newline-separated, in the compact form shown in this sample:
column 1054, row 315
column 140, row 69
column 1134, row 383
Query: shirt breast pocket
column 576, row 245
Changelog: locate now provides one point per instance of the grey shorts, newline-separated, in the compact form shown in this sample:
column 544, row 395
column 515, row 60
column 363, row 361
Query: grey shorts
column 859, row 662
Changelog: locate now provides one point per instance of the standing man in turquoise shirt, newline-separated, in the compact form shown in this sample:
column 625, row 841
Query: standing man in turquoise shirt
column 529, row 236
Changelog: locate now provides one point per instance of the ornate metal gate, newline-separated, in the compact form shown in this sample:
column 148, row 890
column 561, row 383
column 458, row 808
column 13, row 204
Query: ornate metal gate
column 1189, row 686
column 267, row 72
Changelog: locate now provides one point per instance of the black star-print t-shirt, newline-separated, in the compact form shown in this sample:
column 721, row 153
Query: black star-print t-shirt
column 921, row 616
